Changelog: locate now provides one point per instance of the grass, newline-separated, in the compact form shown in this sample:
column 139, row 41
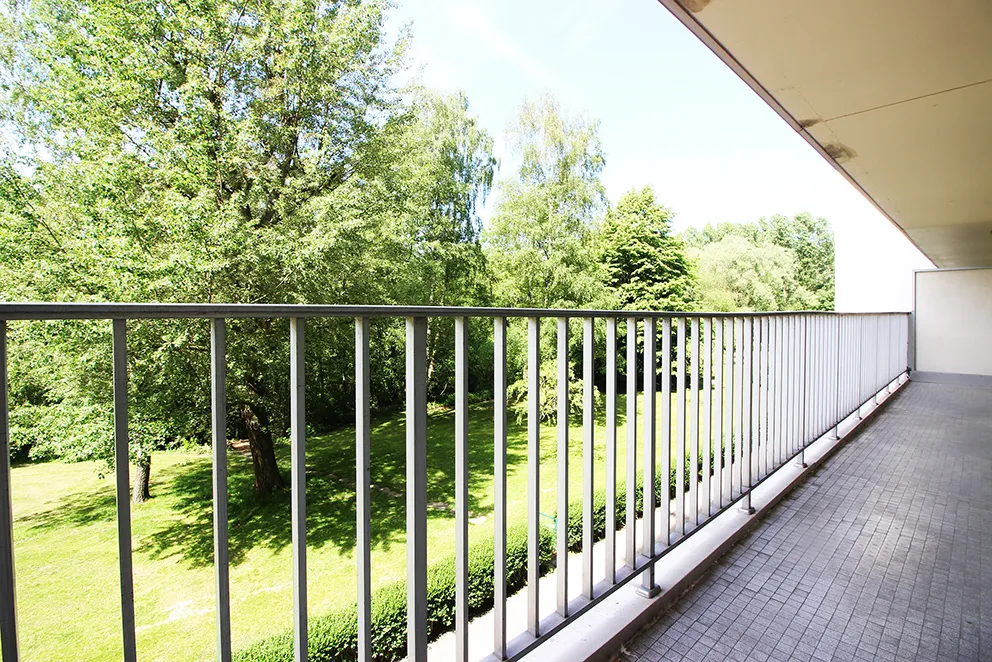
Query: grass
column 66, row 550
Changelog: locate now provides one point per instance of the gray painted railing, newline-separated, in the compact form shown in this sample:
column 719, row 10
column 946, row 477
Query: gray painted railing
column 771, row 384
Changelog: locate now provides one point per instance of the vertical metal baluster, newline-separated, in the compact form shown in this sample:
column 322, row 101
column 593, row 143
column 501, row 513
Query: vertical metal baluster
column 666, row 432
column 648, row 588
column 897, row 345
column 797, row 358
column 707, row 432
column 588, row 451
column 122, row 473
column 611, row 450
column 765, row 394
column 754, row 349
column 461, row 489
column 630, row 423
column 298, row 473
column 499, row 478
column 692, row 505
column 8, row 597
column 824, row 347
column 363, row 497
column 848, row 354
column 809, row 369
column 850, row 365
column 817, row 384
column 773, row 409
column 893, row 347
column 786, row 390
column 771, row 414
column 721, row 397
column 728, row 411
column 810, row 384
column 747, row 377
column 804, row 376
column 780, row 391
column 793, row 360
column 561, row 573
column 878, row 355
column 835, row 370
column 218, row 425
column 861, row 364
column 533, row 475
column 680, row 432
column 843, row 369
column 735, row 480
column 790, row 376
column 797, row 379
column 416, row 488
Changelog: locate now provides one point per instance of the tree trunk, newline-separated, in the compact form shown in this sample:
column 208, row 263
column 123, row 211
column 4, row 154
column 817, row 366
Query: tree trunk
column 263, row 456
column 141, row 480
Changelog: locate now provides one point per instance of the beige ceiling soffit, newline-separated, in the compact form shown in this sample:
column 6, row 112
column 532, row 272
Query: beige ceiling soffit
column 683, row 10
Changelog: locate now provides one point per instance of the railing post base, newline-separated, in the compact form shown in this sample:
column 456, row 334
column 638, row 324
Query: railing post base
column 649, row 593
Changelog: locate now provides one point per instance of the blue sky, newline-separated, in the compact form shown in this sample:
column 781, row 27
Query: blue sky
column 672, row 115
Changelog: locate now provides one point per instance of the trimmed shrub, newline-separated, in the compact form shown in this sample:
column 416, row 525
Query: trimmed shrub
column 334, row 636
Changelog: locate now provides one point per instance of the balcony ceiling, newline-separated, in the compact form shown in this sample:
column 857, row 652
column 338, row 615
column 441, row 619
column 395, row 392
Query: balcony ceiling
column 896, row 94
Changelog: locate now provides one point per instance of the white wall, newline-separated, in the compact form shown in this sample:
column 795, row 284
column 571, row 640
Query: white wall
column 954, row 321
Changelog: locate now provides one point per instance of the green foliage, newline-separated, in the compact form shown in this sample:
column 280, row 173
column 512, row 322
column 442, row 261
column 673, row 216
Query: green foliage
column 645, row 265
column 812, row 241
column 334, row 637
column 776, row 264
column 227, row 153
column 735, row 274
column 540, row 240
column 517, row 394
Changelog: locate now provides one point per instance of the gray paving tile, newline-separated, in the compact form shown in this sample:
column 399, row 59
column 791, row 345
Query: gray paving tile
column 882, row 554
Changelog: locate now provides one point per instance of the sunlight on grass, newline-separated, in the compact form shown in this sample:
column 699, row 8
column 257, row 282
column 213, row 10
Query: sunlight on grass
column 66, row 554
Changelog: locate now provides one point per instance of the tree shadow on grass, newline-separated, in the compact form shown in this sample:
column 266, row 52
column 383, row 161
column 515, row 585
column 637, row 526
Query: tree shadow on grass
column 186, row 489
column 75, row 510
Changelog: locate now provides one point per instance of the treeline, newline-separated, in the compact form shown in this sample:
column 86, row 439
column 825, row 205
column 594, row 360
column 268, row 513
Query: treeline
column 226, row 153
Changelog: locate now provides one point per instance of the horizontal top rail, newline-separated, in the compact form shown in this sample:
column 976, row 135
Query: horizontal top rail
column 66, row 311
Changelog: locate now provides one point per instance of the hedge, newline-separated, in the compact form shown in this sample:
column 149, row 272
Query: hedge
column 334, row 636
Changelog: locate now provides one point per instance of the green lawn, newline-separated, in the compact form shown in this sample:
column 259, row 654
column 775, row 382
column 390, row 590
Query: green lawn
column 65, row 537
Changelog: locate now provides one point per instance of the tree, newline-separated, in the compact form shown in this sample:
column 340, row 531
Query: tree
column 257, row 154
column 540, row 240
column 187, row 150
column 446, row 172
column 812, row 241
column 808, row 242
column 735, row 274
column 645, row 265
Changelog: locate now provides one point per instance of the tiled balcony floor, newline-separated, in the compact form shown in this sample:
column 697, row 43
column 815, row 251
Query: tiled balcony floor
column 884, row 554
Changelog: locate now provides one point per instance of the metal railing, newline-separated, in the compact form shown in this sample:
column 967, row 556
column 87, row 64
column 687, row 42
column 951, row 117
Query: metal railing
column 770, row 384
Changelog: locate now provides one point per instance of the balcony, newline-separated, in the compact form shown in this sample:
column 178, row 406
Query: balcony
column 880, row 555
column 727, row 407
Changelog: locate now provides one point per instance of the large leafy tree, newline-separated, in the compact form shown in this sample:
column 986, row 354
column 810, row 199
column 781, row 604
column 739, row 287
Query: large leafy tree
column 735, row 274
column 540, row 240
column 228, row 152
column 645, row 265
column 805, row 242
column 811, row 239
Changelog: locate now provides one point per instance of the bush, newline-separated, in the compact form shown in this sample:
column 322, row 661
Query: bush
column 334, row 637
